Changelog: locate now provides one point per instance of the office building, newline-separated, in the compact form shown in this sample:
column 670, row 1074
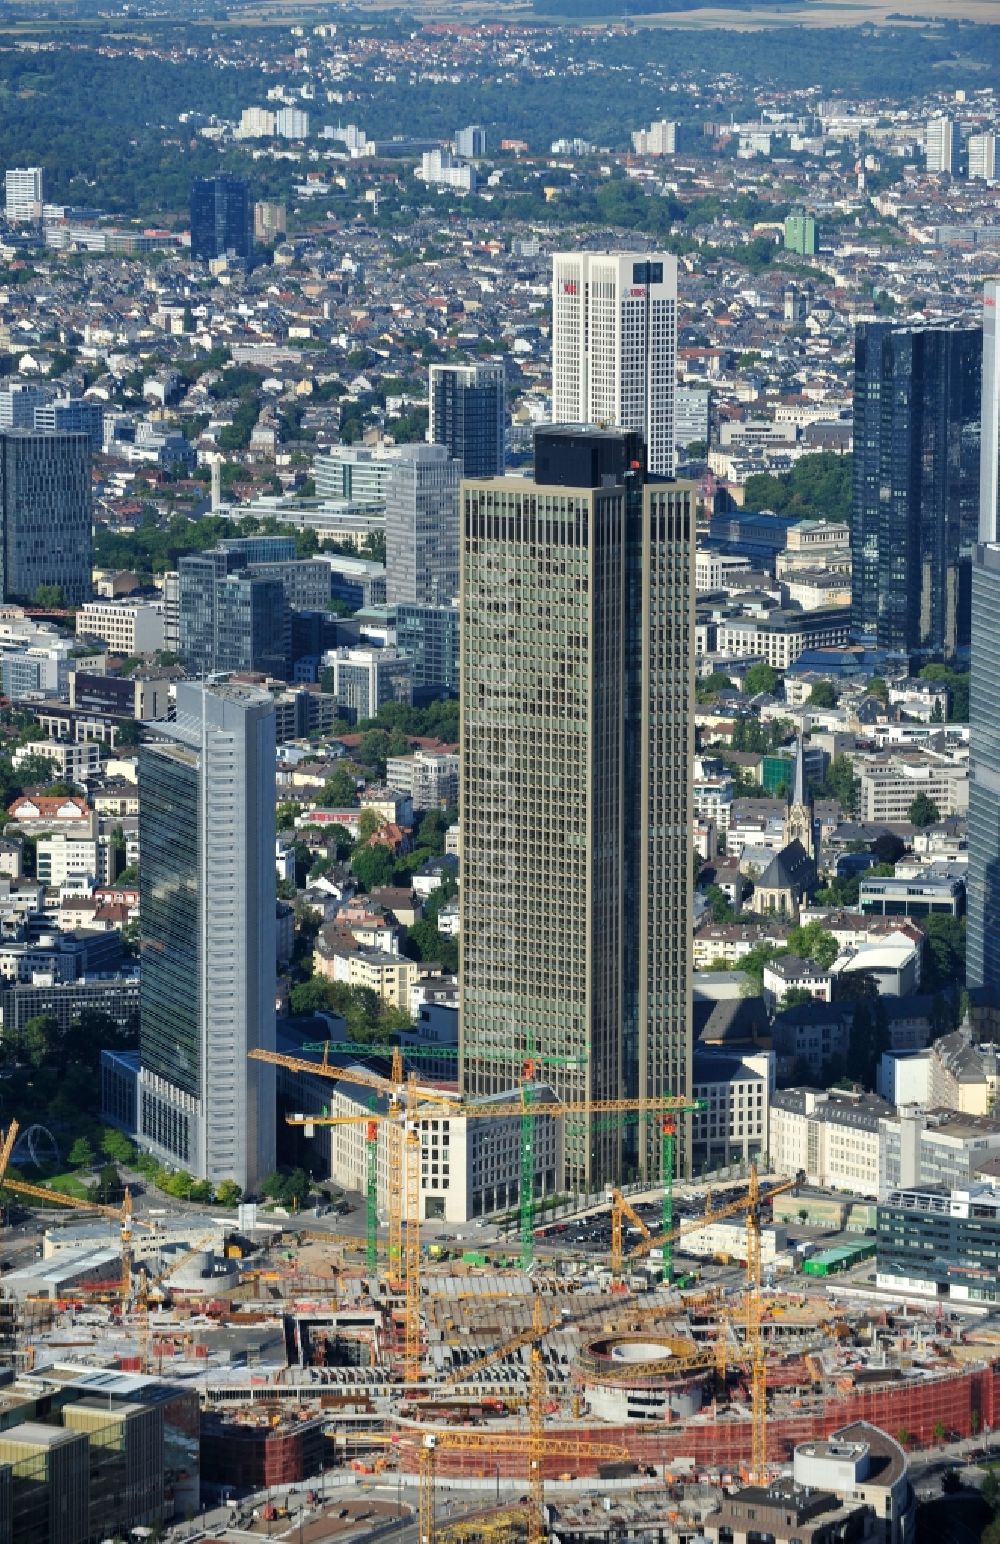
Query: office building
column 982, row 150
column 468, row 414
column 692, row 416
column 363, row 679
column 270, row 222
column 72, row 415
column 358, row 474
column 801, row 234
column 439, row 168
column 576, row 809
column 25, row 196
column 659, row 139
column 127, row 626
column 940, row 1245
column 429, row 636
column 291, row 123
column 470, row 142
column 916, row 485
column 45, row 514
column 17, row 405
column 939, row 145
column 421, row 527
column 983, row 941
column 207, row 880
column 221, row 218
column 614, row 345
column 237, row 603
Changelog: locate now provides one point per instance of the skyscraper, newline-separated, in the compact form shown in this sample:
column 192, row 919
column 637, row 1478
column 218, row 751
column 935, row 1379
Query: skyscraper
column 45, row 514
column 576, row 692
column 221, row 218
column 467, row 415
column 916, row 485
column 983, row 933
column 207, row 881
column 939, row 145
column 983, row 156
column 421, row 527
column 236, row 604
column 614, row 345
column 24, row 193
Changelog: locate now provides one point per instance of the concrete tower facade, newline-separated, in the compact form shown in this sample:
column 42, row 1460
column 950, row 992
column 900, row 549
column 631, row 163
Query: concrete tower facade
column 576, row 801
column 614, row 345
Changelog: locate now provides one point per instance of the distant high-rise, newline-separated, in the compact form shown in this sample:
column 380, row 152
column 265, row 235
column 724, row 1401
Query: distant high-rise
column 221, row 218
column 45, row 514
column 207, row 881
column 18, row 403
column 467, row 415
column 421, row 527
column 24, row 188
column 576, row 690
column 800, row 233
column 470, row 142
column 983, row 156
column 72, row 415
column 236, row 603
column 983, row 942
column 614, row 345
column 916, row 485
column 270, row 222
column 939, row 145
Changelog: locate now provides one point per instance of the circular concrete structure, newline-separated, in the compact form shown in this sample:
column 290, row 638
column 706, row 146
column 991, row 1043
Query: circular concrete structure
column 644, row 1377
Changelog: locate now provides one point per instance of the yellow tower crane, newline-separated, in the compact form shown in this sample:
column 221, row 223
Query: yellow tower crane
column 122, row 1214
column 410, row 1105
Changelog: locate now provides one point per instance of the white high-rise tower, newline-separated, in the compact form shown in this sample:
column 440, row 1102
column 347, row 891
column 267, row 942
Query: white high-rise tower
column 614, row 345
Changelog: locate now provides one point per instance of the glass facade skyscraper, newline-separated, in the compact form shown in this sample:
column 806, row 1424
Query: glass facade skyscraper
column 576, row 745
column 221, row 218
column 468, row 405
column 421, row 527
column 207, row 890
column 983, row 928
column 916, row 485
column 235, row 604
column 45, row 514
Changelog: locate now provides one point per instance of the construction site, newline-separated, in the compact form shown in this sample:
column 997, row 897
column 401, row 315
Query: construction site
column 520, row 1377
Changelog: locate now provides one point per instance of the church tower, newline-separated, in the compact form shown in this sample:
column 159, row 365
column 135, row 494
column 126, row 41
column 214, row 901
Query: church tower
column 799, row 819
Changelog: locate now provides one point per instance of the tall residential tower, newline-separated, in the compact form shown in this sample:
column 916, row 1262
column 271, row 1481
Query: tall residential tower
column 614, row 345
column 577, row 652
column 207, row 881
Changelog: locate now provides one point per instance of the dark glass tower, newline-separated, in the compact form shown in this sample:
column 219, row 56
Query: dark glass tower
column 467, row 410
column 983, row 943
column 221, row 218
column 45, row 514
column 916, row 485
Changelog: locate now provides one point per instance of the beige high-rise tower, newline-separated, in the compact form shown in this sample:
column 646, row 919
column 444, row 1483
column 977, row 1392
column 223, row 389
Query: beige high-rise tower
column 576, row 694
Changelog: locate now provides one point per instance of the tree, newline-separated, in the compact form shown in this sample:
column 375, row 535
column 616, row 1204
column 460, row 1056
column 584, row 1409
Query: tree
column 813, row 942
column 372, row 866
column 50, row 596
column 879, row 688
column 340, row 791
column 719, row 904
column 839, row 784
column 795, row 996
column 81, row 1154
column 109, row 1185
column 761, row 678
column 923, row 811
column 116, row 1145
column 944, row 952
column 823, row 695
column 39, row 1038
column 228, row 1193
column 369, row 821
